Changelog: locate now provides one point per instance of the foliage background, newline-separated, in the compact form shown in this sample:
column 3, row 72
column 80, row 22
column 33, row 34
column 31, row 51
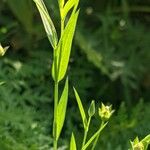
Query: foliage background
column 109, row 63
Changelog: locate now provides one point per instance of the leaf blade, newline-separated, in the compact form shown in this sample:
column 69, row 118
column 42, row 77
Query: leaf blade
column 47, row 22
column 68, row 6
column 65, row 49
column 82, row 112
column 73, row 143
column 61, row 109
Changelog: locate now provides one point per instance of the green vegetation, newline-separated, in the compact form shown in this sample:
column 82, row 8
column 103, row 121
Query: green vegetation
column 109, row 62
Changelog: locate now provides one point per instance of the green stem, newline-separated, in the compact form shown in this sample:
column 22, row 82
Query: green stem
column 62, row 26
column 55, row 101
column 55, row 115
column 55, row 144
column 95, row 142
column 85, row 136
column 56, row 89
column 86, row 132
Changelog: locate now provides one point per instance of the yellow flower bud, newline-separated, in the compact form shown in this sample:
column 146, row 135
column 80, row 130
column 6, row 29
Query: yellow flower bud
column 137, row 145
column 3, row 50
column 105, row 112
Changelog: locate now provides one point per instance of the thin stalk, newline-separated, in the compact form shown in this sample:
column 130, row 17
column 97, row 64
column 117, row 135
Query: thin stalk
column 55, row 115
column 56, row 86
column 85, row 136
column 86, row 132
column 95, row 142
column 55, row 144
column 93, row 137
column 62, row 26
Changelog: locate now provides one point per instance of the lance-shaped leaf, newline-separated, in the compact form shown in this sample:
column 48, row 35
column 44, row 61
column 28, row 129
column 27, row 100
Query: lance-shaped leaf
column 68, row 6
column 65, row 46
column 82, row 112
column 73, row 143
column 61, row 109
column 47, row 22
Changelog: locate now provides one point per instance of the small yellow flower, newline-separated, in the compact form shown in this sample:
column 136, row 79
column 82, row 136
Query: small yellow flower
column 105, row 112
column 137, row 145
column 3, row 50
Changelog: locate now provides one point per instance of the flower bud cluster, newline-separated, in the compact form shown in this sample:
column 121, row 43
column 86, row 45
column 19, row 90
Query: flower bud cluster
column 105, row 112
column 137, row 145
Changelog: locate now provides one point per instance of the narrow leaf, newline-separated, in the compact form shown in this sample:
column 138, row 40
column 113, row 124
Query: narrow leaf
column 61, row 109
column 68, row 6
column 73, row 143
column 47, row 22
column 82, row 112
column 65, row 49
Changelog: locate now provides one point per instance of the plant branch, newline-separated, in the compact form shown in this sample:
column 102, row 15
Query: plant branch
column 95, row 142
column 86, row 132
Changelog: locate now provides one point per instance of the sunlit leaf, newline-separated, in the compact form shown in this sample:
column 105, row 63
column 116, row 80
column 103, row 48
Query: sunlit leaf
column 48, row 24
column 61, row 109
column 82, row 112
column 68, row 6
column 73, row 143
column 65, row 49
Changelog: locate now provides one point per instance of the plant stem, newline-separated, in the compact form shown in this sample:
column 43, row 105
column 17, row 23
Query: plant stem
column 56, row 89
column 95, row 142
column 62, row 26
column 86, row 132
column 55, row 115
column 55, row 144
column 85, row 136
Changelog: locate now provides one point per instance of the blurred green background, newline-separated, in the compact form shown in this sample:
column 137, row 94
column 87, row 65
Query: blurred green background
column 110, row 62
